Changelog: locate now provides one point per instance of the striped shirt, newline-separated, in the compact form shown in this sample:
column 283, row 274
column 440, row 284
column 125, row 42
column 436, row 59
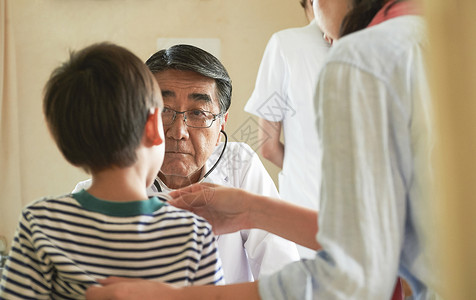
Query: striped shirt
column 63, row 245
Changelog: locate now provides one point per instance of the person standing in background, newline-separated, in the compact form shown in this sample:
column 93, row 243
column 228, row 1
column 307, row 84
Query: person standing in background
column 283, row 100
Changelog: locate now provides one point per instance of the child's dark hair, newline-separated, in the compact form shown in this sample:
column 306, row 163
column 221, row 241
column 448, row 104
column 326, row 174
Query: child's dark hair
column 96, row 105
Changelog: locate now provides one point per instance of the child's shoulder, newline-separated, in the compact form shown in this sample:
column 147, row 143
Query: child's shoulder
column 52, row 203
column 182, row 215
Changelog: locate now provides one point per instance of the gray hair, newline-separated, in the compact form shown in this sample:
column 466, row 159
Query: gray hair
column 191, row 58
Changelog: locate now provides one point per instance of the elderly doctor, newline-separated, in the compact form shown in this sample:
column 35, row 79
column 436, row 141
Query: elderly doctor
column 196, row 90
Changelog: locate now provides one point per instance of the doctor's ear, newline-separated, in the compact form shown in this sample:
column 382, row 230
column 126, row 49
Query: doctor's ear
column 152, row 129
column 223, row 121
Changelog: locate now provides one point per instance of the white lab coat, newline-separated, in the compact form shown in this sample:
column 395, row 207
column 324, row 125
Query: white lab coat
column 248, row 254
column 284, row 92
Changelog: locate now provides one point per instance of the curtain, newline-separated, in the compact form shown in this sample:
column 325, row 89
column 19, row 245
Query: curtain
column 10, row 190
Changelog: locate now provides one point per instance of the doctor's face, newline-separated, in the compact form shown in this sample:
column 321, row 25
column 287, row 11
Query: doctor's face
column 329, row 15
column 187, row 148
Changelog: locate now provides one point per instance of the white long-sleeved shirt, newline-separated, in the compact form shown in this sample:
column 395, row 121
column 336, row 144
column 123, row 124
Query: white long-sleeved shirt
column 373, row 117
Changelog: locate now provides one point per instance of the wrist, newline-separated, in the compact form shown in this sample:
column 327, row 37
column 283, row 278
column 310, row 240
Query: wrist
column 257, row 210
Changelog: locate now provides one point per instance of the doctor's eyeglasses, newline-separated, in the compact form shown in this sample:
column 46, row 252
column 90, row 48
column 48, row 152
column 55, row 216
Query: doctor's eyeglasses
column 195, row 118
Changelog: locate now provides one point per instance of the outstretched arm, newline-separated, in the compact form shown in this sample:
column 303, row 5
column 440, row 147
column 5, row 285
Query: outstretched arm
column 230, row 209
column 115, row 288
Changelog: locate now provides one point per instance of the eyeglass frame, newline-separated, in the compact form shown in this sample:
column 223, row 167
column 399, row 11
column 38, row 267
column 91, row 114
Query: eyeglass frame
column 215, row 116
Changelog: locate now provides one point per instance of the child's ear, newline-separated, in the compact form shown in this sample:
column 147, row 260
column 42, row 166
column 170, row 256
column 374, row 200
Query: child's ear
column 152, row 131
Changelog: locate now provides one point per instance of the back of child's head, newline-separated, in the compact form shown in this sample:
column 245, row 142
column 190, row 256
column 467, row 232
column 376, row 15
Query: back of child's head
column 96, row 106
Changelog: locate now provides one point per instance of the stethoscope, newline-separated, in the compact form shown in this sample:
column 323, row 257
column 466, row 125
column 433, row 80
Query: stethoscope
column 156, row 181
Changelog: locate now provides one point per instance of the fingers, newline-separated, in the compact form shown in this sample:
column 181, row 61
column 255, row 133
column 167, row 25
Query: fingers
column 92, row 293
column 113, row 279
column 109, row 289
column 193, row 196
column 186, row 190
column 101, row 293
column 194, row 188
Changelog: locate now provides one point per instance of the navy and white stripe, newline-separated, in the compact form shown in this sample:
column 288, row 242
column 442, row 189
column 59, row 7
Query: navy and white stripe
column 61, row 248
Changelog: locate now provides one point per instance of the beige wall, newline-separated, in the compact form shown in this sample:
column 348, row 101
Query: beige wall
column 453, row 77
column 45, row 30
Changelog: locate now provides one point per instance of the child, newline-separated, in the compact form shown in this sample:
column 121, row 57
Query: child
column 103, row 109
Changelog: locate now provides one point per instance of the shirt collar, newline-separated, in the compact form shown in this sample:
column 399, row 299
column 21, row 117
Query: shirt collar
column 392, row 10
column 117, row 209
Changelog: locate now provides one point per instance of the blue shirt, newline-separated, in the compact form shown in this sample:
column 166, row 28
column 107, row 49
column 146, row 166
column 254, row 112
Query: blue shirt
column 373, row 119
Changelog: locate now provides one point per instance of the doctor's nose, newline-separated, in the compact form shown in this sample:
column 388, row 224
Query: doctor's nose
column 178, row 130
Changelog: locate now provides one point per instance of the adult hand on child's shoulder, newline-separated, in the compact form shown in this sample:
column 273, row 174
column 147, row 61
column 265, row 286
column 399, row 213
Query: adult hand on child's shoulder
column 116, row 288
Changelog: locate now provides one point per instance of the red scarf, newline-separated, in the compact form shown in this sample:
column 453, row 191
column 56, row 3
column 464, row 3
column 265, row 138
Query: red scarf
column 408, row 7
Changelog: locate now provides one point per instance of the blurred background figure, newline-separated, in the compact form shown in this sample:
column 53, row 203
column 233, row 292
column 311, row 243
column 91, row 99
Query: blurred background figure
column 283, row 100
